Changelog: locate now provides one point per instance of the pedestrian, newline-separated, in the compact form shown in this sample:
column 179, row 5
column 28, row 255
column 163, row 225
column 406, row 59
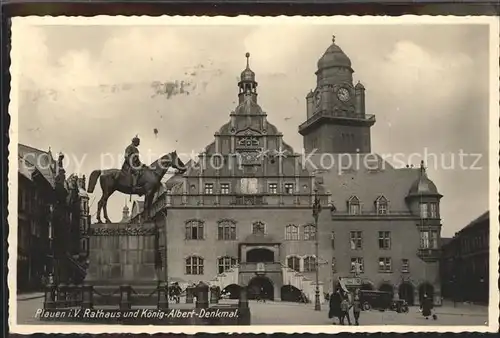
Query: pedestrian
column 356, row 309
column 344, row 310
column 427, row 307
column 334, row 304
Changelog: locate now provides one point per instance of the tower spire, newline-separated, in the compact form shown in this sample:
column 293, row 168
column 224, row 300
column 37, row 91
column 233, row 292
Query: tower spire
column 247, row 84
column 247, row 55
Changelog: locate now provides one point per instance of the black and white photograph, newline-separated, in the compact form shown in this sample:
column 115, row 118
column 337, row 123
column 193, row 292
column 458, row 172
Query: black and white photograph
column 253, row 174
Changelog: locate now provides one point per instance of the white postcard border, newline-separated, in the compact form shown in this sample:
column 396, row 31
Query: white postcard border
column 20, row 22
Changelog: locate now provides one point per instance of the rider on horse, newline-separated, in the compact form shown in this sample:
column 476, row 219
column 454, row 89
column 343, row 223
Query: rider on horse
column 132, row 164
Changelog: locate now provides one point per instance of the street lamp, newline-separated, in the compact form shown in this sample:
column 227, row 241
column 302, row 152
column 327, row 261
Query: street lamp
column 316, row 212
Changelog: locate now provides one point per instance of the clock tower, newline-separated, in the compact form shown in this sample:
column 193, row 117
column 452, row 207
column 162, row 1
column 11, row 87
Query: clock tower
column 336, row 119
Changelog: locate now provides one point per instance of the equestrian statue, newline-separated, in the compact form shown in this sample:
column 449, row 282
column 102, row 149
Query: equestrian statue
column 134, row 178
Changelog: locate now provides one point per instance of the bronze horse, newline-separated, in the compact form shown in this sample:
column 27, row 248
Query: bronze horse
column 112, row 180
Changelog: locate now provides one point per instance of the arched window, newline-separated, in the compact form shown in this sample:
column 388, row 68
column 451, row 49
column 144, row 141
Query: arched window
column 226, row 230
column 309, row 232
column 194, row 265
column 258, row 228
column 292, row 233
column 293, row 262
column 225, row 263
column 309, row 264
column 354, row 206
column 194, row 230
column 381, row 205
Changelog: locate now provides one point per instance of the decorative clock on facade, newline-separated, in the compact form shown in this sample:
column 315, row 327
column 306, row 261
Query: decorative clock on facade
column 343, row 94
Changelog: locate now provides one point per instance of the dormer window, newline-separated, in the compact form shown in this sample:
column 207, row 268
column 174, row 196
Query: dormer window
column 354, row 206
column 381, row 205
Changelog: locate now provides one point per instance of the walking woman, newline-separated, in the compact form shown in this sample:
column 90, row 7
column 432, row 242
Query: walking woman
column 335, row 300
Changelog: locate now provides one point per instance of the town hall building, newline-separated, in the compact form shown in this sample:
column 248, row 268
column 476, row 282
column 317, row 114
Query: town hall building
column 242, row 213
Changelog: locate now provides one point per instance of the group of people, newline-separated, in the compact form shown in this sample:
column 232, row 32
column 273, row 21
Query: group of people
column 341, row 303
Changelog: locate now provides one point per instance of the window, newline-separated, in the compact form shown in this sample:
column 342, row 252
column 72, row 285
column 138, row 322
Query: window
column 424, row 212
column 224, row 188
column 292, row 233
column 258, row 228
column 225, row 263
column 381, row 205
column 194, row 230
column 194, row 265
column 384, row 264
column 434, row 210
column 293, row 262
column 429, row 239
column 332, row 238
column 356, row 240
column 289, row 188
column 309, row 232
column 384, row 240
column 357, row 265
column 309, row 264
column 226, row 230
column 209, row 188
column 273, row 188
column 405, row 265
column 434, row 239
column 354, row 206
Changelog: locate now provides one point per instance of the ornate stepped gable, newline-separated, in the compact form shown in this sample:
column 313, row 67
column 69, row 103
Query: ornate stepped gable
column 246, row 146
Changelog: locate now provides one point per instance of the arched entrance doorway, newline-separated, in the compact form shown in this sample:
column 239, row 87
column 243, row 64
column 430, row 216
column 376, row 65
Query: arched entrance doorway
column 425, row 289
column 233, row 290
column 261, row 286
column 366, row 286
column 386, row 287
column 260, row 255
column 290, row 293
column 406, row 292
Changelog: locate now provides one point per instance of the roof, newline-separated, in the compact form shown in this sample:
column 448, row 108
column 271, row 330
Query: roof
column 423, row 185
column 25, row 168
column 377, row 178
column 334, row 56
column 42, row 160
column 445, row 241
column 485, row 217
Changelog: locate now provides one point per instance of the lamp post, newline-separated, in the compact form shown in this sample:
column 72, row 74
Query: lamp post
column 316, row 212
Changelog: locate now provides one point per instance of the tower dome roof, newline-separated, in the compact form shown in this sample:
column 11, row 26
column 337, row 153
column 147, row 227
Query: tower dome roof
column 423, row 185
column 334, row 56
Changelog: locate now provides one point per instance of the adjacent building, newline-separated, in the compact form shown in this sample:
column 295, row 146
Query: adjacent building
column 242, row 213
column 465, row 263
column 51, row 211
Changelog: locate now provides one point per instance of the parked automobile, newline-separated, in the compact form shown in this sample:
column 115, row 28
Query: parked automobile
column 379, row 300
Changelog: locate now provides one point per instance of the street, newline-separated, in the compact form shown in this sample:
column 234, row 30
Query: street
column 284, row 313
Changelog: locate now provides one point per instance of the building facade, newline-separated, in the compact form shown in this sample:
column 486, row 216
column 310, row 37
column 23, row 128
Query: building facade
column 242, row 213
column 51, row 212
column 465, row 263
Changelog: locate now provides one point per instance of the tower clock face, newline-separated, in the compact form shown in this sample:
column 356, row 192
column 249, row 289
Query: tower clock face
column 343, row 94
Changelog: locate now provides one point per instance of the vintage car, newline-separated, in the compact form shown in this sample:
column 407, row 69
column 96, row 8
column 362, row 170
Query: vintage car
column 379, row 300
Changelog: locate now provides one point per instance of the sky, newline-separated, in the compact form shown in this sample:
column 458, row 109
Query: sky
column 87, row 90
